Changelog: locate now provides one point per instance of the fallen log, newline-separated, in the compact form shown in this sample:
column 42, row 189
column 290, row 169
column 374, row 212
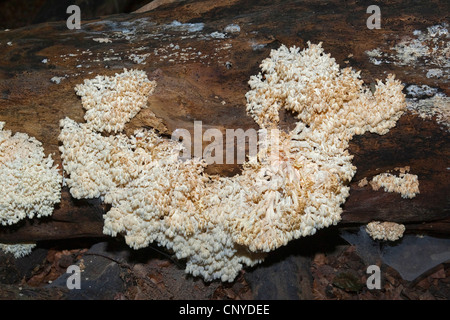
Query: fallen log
column 202, row 73
column 428, row 212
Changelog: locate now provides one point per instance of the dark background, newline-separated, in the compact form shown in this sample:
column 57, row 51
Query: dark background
column 19, row 13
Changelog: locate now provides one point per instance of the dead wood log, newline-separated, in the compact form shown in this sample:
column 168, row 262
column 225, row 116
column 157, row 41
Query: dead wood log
column 204, row 77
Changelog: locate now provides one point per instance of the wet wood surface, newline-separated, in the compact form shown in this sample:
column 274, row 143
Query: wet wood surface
column 202, row 76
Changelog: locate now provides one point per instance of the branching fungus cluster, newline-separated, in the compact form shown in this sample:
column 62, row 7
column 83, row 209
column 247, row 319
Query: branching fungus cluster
column 293, row 187
column 30, row 183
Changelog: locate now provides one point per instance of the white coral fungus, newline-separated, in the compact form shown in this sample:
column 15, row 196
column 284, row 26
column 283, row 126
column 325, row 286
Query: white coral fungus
column 293, row 187
column 113, row 101
column 386, row 231
column 30, row 184
column 18, row 250
column 406, row 184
